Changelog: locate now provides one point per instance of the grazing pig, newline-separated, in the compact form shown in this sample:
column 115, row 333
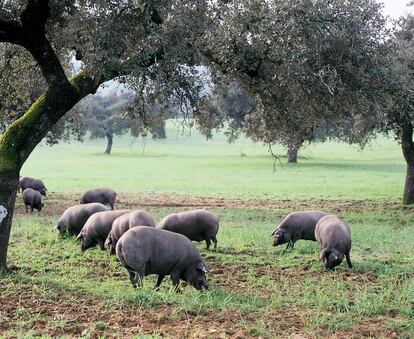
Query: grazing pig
column 36, row 184
column 297, row 225
column 102, row 195
column 334, row 238
column 124, row 223
column 33, row 199
column 75, row 217
column 197, row 225
column 146, row 250
column 97, row 227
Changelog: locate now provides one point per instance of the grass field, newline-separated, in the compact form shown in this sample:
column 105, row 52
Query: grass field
column 190, row 165
column 256, row 290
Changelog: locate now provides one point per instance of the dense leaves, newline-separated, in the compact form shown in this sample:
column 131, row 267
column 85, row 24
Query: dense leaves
column 308, row 62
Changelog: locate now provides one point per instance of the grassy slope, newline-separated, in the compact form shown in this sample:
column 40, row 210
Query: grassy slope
column 189, row 165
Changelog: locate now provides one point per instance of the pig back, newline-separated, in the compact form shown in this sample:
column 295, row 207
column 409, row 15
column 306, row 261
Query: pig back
column 164, row 250
column 75, row 217
column 332, row 232
column 196, row 225
column 99, row 224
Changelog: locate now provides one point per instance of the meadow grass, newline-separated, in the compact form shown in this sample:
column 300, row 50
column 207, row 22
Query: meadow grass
column 255, row 289
column 249, row 276
column 190, row 165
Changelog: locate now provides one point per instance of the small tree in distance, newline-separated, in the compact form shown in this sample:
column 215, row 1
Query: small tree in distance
column 102, row 117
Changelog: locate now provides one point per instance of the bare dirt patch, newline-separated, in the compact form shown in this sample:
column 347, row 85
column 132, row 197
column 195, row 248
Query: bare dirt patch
column 58, row 314
column 56, row 203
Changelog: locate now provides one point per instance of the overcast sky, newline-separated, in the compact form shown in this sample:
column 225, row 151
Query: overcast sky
column 396, row 8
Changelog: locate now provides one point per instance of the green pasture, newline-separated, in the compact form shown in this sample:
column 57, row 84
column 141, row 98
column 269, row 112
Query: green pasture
column 249, row 277
column 187, row 164
column 260, row 290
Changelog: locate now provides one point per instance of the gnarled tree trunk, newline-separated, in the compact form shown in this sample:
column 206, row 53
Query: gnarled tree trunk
column 109, row 136
column 8, row 189
column 20, row 139
column 292, row 154
column 408, row 152
column 22, row 136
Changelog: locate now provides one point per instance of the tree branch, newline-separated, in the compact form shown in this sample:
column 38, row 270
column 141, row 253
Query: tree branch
column 22, row 136
column 11, row 31
column 30, row 34
column 34, row 16
column 140, row 60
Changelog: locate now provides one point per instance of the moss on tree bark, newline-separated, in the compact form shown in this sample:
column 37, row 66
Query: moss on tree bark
column 22, row 136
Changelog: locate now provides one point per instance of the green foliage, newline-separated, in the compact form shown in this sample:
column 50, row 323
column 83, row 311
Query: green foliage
column 308, row 63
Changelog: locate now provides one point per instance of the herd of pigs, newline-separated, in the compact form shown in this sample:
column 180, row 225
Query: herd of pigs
column 145, row 248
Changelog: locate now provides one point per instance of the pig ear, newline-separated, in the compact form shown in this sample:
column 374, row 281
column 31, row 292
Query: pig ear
column 108, row 242
column 56, row 227
column 277, row 232
column 79, row 237
column 203, row 267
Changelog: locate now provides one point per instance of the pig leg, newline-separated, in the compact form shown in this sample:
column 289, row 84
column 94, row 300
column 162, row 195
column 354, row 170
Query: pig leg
column 215, row 241
column 27, row 210
column 159, row 281
column 348, row 259
column 208, row 243
column 135, row 278
column 175, row 278
column 112, row 205
column 101, row 245
column 289, row 245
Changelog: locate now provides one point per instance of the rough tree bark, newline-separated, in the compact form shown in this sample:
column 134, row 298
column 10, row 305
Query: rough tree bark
column 109, row 136
column 407, row 146
column 8, row 189
column 22, row 136
column 292, row 154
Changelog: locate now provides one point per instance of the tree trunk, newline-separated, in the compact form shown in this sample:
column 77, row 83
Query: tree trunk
column 158, row 131
column 8, row 189
column 408, row 152
column 292, row 154
column 21, row 137
column 109, row 136
column 408, row 197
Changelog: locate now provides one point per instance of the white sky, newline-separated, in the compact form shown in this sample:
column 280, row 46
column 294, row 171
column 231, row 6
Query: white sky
column 396, row 8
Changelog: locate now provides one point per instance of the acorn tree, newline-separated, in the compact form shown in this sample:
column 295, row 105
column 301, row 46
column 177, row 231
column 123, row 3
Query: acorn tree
column 117, row 39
